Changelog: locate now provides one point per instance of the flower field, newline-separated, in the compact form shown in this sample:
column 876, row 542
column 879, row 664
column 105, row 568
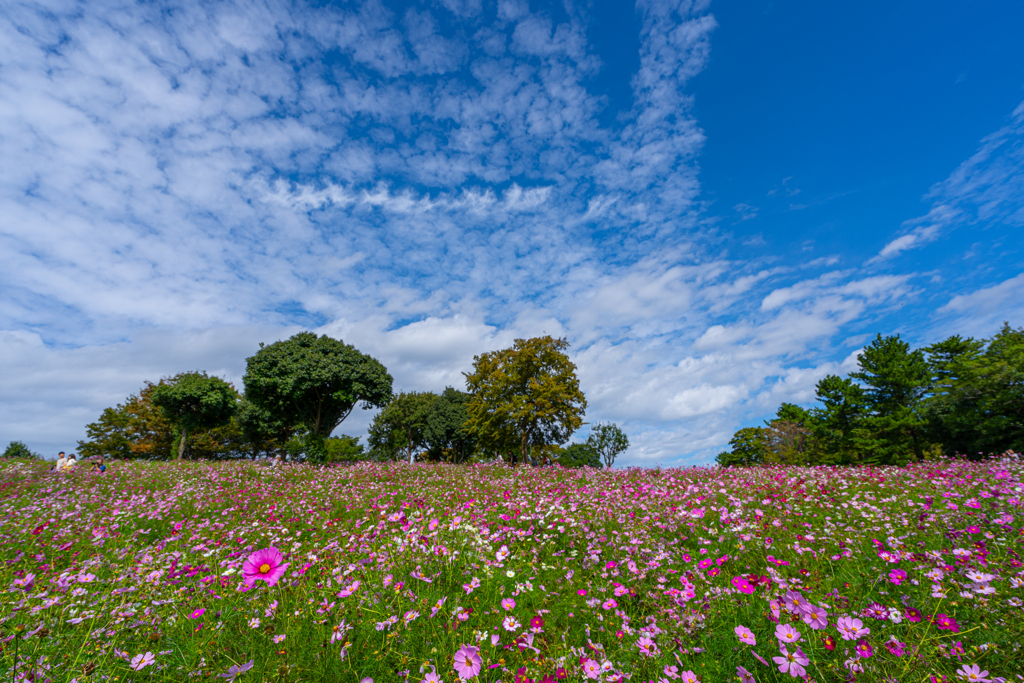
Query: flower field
column 396, row 572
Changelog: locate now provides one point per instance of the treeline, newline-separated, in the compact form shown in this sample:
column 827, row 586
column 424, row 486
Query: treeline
column 956, row 397
column 523, row 405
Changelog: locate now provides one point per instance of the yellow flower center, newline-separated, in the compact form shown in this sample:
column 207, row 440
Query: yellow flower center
column 264, row 568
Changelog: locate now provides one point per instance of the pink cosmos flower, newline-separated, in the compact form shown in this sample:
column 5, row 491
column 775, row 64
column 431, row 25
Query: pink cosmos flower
column 609, row 604
column 973, row 673
column 591, row 669
column 671, row 671
column 581, row 592
column 140, row 662
column 511, row 624
column 786, row 633
column 897, row 576
column 851, row 628
column 745, row 676
column 468, row 662
column 264, row 565
column 760, row 658
column 742, row 585
column 795, row 602
column 689, row 677
column 864, row 649
column 508, row 604
column 280, row 638
column 198, row 613
column 815, row 617
column 648, row 647
column 349, row 590
column 792, row 662
column 745, row 635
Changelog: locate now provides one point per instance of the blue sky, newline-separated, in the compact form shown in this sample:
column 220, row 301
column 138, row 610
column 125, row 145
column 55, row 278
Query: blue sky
column 716, row 203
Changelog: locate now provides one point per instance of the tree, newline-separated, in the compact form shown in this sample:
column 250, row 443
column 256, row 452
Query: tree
column 748, row 449
column 578, row 455
column 344, row 448
column 263, row 434
column 314, row 382
column 445, row 433
column 895, row 380
column 524, row 396
column 133, row 429
column 401, row 425
column 195, row 401
column 838, row 425
column 18, row 449
column 608, row 440
column 977, row 402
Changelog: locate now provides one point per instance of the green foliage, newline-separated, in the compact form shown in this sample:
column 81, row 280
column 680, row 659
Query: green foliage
column 194, row 401
column 978, row 402
column 314, row 382
column 608, row 440
column 578, row 455
column 749, row 448
column 344, row 448
column 524, row 396
column 400, row 428
column 18, row 449
column 445, row 433
column 263, row 434
column 895, row 379
column 957, row 396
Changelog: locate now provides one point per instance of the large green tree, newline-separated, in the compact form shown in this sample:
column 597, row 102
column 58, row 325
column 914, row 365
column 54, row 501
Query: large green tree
column 314, row 382
column 401, row 426
column 608, row 440
column 895, row 380
column 748, row 448
column 195, row 401
column 524, row 396
column 445, row 434
column 838, row 424
column 977, row 402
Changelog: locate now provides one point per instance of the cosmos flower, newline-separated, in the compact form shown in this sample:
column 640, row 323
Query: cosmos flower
column 745, row 635
column 744, row 675
column 864, row 649
column 792, row 663
column 140, row 662
column 946, row 623
column 508, row 604
column 264, row 565
column 236, row 669
column 851, row 628
column 786, row 633
column 973, row 673
column 468, row 662
column 815, row 617
column 742, row 585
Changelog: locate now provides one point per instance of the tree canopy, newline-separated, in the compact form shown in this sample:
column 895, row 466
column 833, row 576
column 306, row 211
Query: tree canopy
column 608, row 440
column 195, row 401
column 314, row 382
column 524, row 396
column 957, row 396
column 400, row 428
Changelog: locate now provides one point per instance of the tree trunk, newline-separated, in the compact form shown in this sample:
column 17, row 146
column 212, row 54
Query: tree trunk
column 522, row 448
column 181, row 443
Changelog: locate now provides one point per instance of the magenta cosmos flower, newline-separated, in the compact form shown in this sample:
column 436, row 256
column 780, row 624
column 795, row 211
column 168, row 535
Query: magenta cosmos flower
column 264, row 565
column 468, row 662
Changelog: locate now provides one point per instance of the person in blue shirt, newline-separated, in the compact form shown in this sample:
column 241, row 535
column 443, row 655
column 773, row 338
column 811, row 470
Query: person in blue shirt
column 97, row 465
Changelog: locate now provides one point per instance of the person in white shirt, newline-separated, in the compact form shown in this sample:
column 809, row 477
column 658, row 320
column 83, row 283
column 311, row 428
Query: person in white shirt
column 71, row 462
column 61, row 462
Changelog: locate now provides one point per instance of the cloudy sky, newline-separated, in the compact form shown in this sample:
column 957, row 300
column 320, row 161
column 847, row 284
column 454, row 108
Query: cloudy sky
column 717, row 204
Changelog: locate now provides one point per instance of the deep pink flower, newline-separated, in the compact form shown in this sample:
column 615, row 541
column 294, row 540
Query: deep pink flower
column 864, row 649
column 946, row 623
column 264, row 565
column 742, row 585
column 198, row 613
column 468, row 662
